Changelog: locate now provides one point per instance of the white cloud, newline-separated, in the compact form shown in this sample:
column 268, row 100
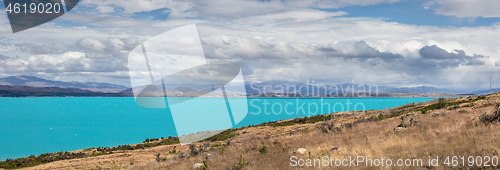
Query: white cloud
column 469, row 8
column 97, row 56
column 429, row 4
column 279, row 41
column 289, row 16
column 177, row 7
column 220, row 8
column 71, row 64
column 105, row 9
column 91, row 44
column 245, row 8
column 13, row 63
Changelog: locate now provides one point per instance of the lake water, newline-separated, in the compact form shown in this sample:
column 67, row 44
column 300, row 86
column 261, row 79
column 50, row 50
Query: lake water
column 32, row 126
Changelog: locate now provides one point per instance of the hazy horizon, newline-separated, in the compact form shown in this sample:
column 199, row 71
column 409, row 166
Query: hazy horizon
column 307, row 82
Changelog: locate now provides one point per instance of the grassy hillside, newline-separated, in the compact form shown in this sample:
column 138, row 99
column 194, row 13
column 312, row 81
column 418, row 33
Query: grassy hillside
column 438, row 128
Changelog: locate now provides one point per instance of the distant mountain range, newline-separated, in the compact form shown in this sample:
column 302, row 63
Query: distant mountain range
column 480, row 92
column 26, row 91
column 32, row 81
column 18, row 86
column 339, row 89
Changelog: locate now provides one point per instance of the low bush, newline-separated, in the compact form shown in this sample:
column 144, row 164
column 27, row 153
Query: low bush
column 263, row 149
column 241, row 164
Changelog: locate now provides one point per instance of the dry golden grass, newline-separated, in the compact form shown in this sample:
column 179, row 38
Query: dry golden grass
column 440, row 133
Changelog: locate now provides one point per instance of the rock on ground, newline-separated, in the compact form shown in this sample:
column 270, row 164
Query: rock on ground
column 399, row 128
column 302, row 150
column 336, row 149
column 198, row 165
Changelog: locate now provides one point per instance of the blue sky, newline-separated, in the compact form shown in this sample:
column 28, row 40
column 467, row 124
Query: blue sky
column 405, row 12
column 402, row 43
column 413, row 12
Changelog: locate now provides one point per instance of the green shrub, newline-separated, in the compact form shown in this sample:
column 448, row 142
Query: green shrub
column 192, row 150
column 381, row 116
column 227, row 134
column 241, row 164
column 263, row 149
column 222, row 150
column 205, row 164
column 173, row 151
column 160, row 159
column 286, row 147
column 439, row 105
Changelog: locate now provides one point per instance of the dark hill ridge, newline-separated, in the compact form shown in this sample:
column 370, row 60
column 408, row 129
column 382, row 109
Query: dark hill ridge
column 33, row 81
column 481, row 92
column 26, row 91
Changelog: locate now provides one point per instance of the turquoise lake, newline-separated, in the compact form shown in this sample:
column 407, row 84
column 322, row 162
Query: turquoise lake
column 32, row 126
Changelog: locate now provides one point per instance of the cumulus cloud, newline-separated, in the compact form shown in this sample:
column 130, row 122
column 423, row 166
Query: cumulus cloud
column 91, row 44
column 258, row 48
column 359, row 49
column 452, row 58
column 105, row 9
column 283, row 40
column 111, row 44
column 69, row 63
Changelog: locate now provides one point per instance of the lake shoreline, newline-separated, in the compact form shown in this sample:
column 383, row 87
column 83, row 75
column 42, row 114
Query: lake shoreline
column 265, row 122
column 237, row 134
